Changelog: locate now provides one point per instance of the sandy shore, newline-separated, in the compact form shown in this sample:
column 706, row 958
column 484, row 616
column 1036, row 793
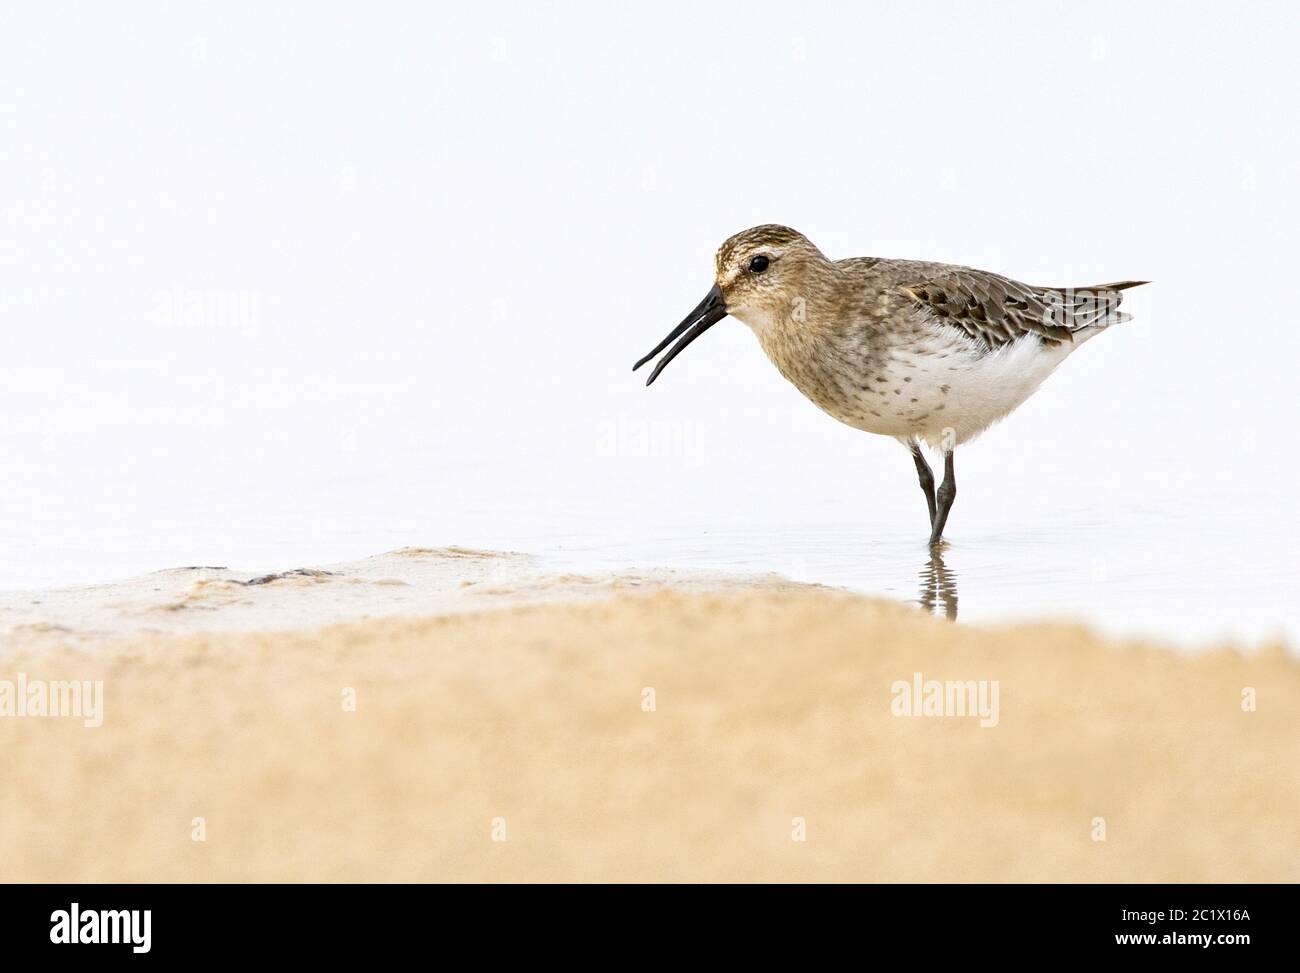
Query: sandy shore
column 653, row 731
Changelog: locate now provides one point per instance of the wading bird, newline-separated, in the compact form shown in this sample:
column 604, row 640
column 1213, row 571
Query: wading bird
column 922, row 352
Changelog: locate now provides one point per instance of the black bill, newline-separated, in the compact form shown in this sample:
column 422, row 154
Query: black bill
column 710, row 311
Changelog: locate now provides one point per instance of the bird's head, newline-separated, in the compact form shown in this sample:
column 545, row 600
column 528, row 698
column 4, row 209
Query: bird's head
column 762, row 274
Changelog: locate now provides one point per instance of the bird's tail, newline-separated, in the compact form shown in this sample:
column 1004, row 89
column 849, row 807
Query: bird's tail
column 1094, row 307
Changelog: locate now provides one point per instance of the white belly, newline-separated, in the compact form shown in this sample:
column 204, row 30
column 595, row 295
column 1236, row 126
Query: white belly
column 947, row 401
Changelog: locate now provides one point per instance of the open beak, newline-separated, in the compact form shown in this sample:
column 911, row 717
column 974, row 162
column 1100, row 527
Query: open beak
column 710, row 311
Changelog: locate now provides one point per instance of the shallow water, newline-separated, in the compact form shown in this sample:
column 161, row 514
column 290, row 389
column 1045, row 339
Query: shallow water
column 1144, row 584
column 1125, row 554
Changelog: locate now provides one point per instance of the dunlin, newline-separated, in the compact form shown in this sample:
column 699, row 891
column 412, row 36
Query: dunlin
column 922, row 352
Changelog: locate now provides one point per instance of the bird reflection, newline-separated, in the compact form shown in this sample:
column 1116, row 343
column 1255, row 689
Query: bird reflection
column 938, row 586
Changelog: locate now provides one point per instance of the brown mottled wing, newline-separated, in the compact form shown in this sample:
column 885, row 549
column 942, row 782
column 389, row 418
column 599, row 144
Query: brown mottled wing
column 997, row 310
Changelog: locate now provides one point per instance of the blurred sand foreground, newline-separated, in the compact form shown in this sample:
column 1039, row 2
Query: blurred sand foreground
column 769, row 721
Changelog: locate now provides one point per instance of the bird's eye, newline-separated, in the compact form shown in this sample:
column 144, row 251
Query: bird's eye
column 758, row 265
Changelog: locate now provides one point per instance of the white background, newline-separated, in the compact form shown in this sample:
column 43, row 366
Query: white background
column 296, row 283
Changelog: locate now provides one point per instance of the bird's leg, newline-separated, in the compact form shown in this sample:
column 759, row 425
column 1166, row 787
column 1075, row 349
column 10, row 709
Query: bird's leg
column 946, row 494
column 925, row 476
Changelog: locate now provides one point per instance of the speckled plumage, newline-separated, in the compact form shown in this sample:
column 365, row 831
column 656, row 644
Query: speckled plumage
column 922, row 352
column 907, row 348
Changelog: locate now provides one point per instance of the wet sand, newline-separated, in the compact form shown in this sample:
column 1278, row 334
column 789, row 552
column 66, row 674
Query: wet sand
column 512, row 726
